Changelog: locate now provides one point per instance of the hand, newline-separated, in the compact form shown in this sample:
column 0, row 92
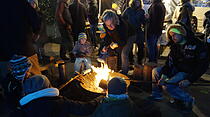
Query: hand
column 146, row 16
column 113, row 45
column 104, row 49
column 184, row 83
column 163, row 79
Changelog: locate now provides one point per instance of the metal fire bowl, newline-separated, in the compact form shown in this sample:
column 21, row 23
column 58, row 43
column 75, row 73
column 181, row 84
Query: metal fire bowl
column 87, row 81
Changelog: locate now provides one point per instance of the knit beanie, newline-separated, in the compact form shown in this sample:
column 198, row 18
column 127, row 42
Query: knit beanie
column 176, row 28
column 117, row 86
column 36, row 83
column 19, row 65
column 82, row 35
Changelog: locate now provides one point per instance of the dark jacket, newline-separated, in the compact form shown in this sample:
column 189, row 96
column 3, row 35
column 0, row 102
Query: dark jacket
column 79, row 16
column 93, row 12
column 135, row 17
column 156, row 18
column 54, row 106
column 119, row 108
column 185, row 15
column 191, row 58
column 120, row 34
column 19, row 20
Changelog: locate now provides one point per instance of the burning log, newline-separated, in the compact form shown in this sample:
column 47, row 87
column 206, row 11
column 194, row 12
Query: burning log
column 86, row 87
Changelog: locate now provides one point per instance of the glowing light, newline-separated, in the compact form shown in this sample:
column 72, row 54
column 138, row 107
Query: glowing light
column 102, row 73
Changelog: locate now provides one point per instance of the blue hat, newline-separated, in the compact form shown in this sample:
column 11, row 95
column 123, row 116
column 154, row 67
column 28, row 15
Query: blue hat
column 36, row 83
column 117, row 86
column 19, row 65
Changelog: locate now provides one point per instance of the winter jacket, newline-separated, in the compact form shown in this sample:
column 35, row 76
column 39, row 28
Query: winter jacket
column 191, row 58
column 19, row 21
column 156, row 18
column 120, row 34
column 185, row 15
column 84, row 49
column 93, row 12
column 135, row 17
column 117, row 108
column 48, row 103
column 79, row 16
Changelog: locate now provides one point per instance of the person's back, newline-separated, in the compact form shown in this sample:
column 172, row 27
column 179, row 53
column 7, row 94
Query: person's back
column 121, row 108
column 117, row 103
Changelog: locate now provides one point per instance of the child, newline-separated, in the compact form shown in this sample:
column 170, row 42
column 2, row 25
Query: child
column 82, row 50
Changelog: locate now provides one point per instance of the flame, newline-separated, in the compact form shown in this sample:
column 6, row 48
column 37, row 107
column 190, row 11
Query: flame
column 101, row 73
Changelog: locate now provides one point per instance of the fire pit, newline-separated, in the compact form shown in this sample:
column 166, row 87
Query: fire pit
column 86, row 87
column 89, row 81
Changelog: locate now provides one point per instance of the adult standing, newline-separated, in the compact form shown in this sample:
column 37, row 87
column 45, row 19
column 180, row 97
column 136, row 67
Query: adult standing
column 135, row 16
column 121, row 33
column 79, row 17
column 19, row 28
column 156, row 19
column 64, row 22
column 186, row 12
column 93, row 19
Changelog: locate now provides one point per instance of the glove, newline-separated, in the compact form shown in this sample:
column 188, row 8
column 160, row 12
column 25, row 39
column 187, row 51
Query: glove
column 163, row 79
column 184, row 83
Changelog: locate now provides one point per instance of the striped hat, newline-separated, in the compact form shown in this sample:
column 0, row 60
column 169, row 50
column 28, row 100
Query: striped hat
column 82, row 35
column 19, row 66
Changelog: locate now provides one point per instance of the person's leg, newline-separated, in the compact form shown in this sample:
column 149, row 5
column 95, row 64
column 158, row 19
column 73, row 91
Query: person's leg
column 66, row 42
column 35, row 65
column 179, row 94
column 152, row 47
column 87, row 63
column 156, row 89
column 93, row 28
column 125, row 53
column 77, row 64
column 140, row 44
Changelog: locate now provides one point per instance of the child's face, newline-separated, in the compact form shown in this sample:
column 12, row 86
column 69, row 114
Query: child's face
column 83, row 40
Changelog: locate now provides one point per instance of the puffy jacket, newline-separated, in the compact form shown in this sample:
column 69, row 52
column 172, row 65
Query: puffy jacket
column 47, row 103
column 120, row 108
column 191, row 58
column 185, row 15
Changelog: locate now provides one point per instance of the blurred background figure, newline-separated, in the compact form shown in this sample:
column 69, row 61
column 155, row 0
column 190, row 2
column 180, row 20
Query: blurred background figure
column 93, row 19
column 186, row 12
column 64, row 21
column 135, row 15
column 155, row 26
column 79, row 17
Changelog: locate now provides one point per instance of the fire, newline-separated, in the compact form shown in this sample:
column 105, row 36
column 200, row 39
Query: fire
column 101, row 73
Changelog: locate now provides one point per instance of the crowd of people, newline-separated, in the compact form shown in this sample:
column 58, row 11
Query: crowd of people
column 28, row 93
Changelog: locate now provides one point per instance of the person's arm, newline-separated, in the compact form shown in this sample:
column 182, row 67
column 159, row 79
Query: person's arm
column 202, row 65
column 59, row 13
column 81, row 108
column 184, row 15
